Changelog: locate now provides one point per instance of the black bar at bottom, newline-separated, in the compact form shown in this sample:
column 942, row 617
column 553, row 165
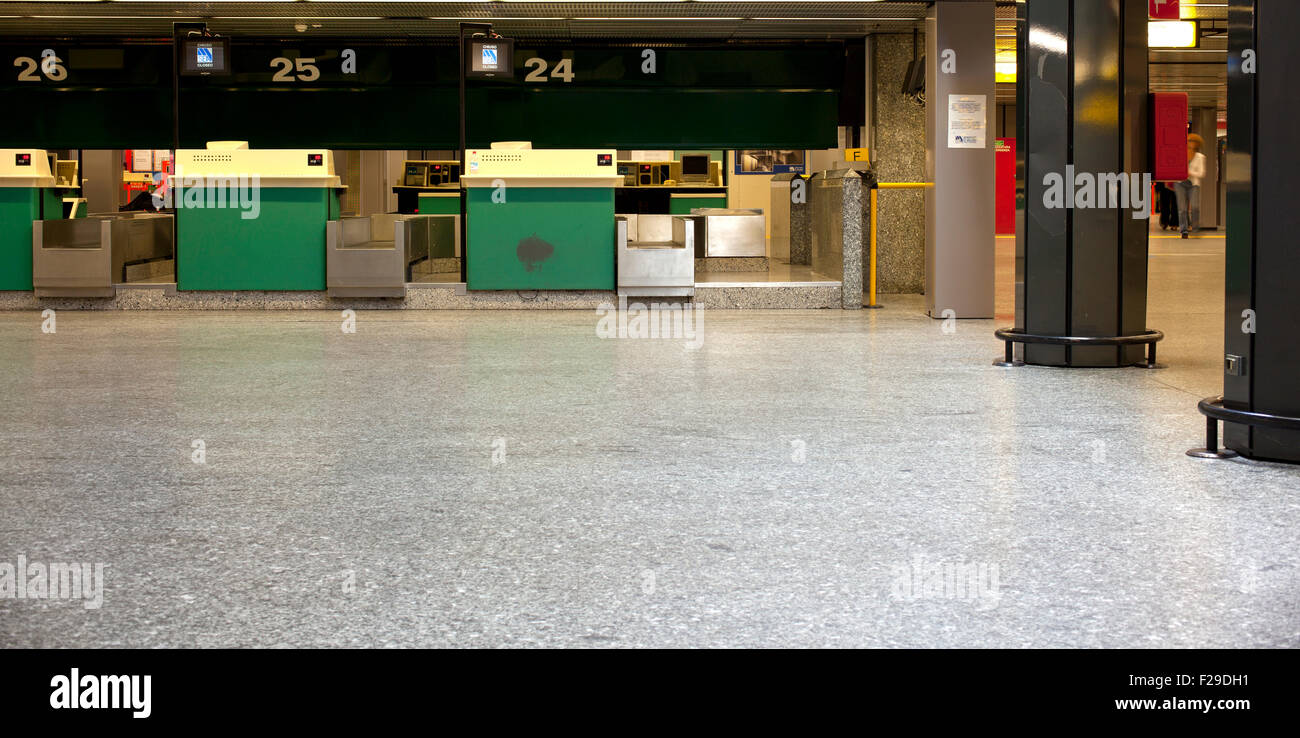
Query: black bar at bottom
column 334, row 688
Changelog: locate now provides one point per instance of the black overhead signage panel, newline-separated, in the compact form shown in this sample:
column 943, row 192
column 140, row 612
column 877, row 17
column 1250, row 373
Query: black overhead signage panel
column 88, row 95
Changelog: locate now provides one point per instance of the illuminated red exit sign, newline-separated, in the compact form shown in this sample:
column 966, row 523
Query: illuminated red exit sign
column 1163, row 9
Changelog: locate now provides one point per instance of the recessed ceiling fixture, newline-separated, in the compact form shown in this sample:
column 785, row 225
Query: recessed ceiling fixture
column 1173, row 34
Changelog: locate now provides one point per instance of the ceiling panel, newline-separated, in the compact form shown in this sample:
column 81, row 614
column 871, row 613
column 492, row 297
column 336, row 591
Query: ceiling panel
column 689, row 19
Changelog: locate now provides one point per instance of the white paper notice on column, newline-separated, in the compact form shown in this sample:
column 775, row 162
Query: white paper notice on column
column 967, row 116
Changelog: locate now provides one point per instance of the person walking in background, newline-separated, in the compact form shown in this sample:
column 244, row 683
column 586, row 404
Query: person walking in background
column 1189, row 190
column 1167, row 205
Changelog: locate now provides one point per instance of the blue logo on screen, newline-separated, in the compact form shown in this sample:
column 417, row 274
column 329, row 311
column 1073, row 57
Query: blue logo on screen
column 489, row 57
column 204, row 55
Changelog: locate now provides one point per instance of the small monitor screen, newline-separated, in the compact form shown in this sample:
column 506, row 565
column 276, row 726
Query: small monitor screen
column 491, row 58
column 22, row 160
column 415, row 175
column 695, row 164
column 206, row 56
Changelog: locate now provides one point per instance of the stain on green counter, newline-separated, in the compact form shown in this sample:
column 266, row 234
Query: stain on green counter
column 541, row 238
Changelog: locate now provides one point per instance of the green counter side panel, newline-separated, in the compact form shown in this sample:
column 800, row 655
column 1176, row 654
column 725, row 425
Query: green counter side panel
column 281, row 249
column 541, row 238
column 51, row 204
column 19, row 206
column 683, row 205
column 438, row 205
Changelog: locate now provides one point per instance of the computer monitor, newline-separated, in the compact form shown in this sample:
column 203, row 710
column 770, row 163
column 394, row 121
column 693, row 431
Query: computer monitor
column 695, row 167
column 914, row 78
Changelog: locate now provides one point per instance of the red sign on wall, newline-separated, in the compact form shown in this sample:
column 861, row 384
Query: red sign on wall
column 1163, row 9
column 1004, row 199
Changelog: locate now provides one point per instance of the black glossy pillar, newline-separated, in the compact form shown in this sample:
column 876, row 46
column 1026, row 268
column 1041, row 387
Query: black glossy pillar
column 1262, row 369
column 1081, row 103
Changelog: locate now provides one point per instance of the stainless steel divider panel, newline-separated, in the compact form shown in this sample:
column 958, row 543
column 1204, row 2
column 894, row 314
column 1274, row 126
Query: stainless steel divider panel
column 139, row 238
column 729, row 232
column 359, row 265
column 664, row 266
column 72, row 258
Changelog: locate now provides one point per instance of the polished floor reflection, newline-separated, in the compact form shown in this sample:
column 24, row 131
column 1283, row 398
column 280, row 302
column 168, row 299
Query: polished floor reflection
column 779, row 478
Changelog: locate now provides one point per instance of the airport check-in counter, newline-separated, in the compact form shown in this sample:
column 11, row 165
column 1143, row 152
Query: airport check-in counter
column 540, row 219
column 373, row 256
column 729, row 232
column 27, row 195
column 656, row 255
column 87, row 257
column 274, row 239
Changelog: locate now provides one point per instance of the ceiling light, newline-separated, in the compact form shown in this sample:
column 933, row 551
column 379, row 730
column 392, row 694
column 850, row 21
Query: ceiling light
column 1172, row 34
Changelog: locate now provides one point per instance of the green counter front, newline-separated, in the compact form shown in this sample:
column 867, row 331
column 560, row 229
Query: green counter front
column 283, row 248
column 540, row 238
column 19, row 208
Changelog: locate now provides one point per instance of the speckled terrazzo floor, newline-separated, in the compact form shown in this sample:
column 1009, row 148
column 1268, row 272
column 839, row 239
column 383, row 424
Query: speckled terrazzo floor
column 793, row 481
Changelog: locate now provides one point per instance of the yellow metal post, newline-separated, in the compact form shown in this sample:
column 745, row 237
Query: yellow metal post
column 871, row 302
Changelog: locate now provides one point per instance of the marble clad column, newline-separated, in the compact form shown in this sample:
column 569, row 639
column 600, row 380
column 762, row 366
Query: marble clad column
column 899, row 156
column 838, row 231
column 852, row 206
column 801, row 232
